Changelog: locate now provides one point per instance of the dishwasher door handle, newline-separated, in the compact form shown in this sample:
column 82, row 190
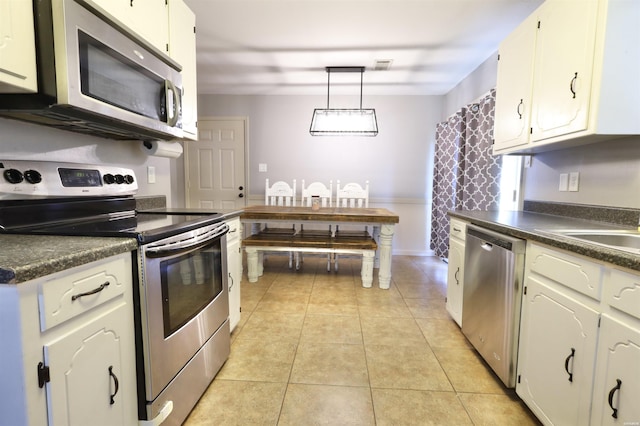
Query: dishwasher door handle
column 487, row 246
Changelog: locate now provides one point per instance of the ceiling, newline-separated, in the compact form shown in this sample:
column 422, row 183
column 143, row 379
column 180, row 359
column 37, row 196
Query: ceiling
column 281, row 47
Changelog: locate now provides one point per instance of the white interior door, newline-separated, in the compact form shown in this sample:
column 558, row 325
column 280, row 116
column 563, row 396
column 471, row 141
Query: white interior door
column 214, row 165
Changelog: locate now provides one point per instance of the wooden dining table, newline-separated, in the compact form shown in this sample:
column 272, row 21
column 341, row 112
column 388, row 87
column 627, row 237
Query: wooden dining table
column 382, row 222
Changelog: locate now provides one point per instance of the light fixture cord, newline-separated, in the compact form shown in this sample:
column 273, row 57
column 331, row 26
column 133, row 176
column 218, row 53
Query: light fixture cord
column 328, row 85
column 361, row 73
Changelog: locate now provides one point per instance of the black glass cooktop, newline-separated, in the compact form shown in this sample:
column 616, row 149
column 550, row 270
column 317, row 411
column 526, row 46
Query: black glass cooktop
column 100, row 218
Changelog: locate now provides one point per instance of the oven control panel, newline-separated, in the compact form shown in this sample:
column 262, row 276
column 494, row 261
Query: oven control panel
column 42, row 179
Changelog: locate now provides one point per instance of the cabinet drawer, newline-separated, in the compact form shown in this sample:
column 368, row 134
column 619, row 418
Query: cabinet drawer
column 234, row 230
column 458, row 229
column 622, row 291
column 571, row 271
column 81, row 289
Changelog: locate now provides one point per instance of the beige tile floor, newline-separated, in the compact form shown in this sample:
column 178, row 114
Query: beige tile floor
column 315, row 348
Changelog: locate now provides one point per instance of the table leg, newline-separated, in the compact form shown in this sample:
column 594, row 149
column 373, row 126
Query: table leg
column 384, row 247
column 376, row 237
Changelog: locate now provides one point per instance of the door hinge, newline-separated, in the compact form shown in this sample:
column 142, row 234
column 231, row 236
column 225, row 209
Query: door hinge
column 599, row 319
column 498, row 56
column 518, row 378
column 538, row 24
column 525, row 290
column 43, row 374
column 530, row 130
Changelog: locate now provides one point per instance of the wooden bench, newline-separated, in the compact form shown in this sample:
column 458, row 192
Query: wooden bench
column 309, row 243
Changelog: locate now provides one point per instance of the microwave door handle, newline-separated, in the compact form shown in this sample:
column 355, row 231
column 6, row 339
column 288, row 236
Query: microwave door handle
column 170, row 91
column 186, row 246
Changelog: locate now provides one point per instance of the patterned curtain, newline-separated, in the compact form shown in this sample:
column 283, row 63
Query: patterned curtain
column 466, row 174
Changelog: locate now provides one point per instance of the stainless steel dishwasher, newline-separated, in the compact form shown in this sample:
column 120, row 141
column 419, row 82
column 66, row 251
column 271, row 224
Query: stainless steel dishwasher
column 492, row 296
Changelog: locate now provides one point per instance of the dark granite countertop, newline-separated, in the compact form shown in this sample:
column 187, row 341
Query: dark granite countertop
column 27, row 257
column 532, row 226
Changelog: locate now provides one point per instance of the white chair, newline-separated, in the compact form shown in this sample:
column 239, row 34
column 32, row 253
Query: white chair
column 351, row 195
column 319, row 191
column 280, row 194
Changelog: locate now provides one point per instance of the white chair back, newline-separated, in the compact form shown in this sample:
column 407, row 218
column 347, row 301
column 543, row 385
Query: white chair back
column 280, row 194
column 352, row 195
column 317, row 189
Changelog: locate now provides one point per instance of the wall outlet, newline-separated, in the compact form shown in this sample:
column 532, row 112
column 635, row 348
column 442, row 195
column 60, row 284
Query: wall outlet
column 262, row 167
column 151, row 174
column 574, row 181
column 564, row 182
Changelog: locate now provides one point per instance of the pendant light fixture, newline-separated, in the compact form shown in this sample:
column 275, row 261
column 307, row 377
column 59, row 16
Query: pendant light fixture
column 343, row 122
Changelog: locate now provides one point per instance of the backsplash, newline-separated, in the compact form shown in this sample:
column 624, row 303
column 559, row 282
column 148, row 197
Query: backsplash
column 618, row 216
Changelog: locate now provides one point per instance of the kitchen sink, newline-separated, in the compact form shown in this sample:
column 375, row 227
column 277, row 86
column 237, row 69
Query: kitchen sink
column 623, row 239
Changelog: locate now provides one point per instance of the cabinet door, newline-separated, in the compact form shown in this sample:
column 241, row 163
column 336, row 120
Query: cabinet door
column 91, row 372
column 147, row 18
column 182, row 48
column 17, row 48
column 234, row 269
column 617, row 383
column 565, row 48
column 455, row 276
column 513, row 97
column 556, row 355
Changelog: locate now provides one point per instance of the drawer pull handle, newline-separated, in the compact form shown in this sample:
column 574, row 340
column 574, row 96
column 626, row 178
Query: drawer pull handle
column 566, row 364
column 116, row 384
column 611, row 394
column 88, row 293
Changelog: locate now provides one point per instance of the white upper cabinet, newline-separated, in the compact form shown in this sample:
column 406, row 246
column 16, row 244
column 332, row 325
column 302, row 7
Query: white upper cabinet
column 17, row 48
column 182, row 48
column 584, row 85
column 146, row 18
column 513, row 97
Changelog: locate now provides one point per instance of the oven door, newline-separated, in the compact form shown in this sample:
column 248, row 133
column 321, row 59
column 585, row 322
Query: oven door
column 183, row 300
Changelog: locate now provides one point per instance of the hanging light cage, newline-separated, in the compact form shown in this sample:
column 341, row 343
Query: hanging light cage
column 343, row 122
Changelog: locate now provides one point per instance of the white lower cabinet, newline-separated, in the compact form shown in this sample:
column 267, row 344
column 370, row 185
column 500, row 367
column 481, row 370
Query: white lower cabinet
column 558, row 337
column 234, row 269
column 68, row 339
column 616, row 393
column 579, row 350
column 455, row 271
column 87, row 375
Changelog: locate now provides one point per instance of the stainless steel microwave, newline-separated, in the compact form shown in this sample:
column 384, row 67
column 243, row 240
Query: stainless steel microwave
column 98, row 78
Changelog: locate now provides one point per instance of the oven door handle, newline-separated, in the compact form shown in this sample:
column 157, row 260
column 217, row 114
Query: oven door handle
column 187, row 245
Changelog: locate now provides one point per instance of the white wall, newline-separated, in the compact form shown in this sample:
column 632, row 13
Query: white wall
column 24, row 141
column 398, row 162
column 473, row 87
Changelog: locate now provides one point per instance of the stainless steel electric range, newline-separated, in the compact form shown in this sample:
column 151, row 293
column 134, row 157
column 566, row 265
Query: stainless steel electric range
column 181, row 302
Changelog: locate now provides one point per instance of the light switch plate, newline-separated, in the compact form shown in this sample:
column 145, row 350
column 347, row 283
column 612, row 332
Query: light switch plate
column 564, row 182
column 262, row 167
column 151, row 174
column 574, row 181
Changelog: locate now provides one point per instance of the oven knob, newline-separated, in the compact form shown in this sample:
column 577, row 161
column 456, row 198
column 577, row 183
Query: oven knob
column 128, row 179
column 119, row 179
column 13, row 176
column 33, row 176
column 109, row 179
